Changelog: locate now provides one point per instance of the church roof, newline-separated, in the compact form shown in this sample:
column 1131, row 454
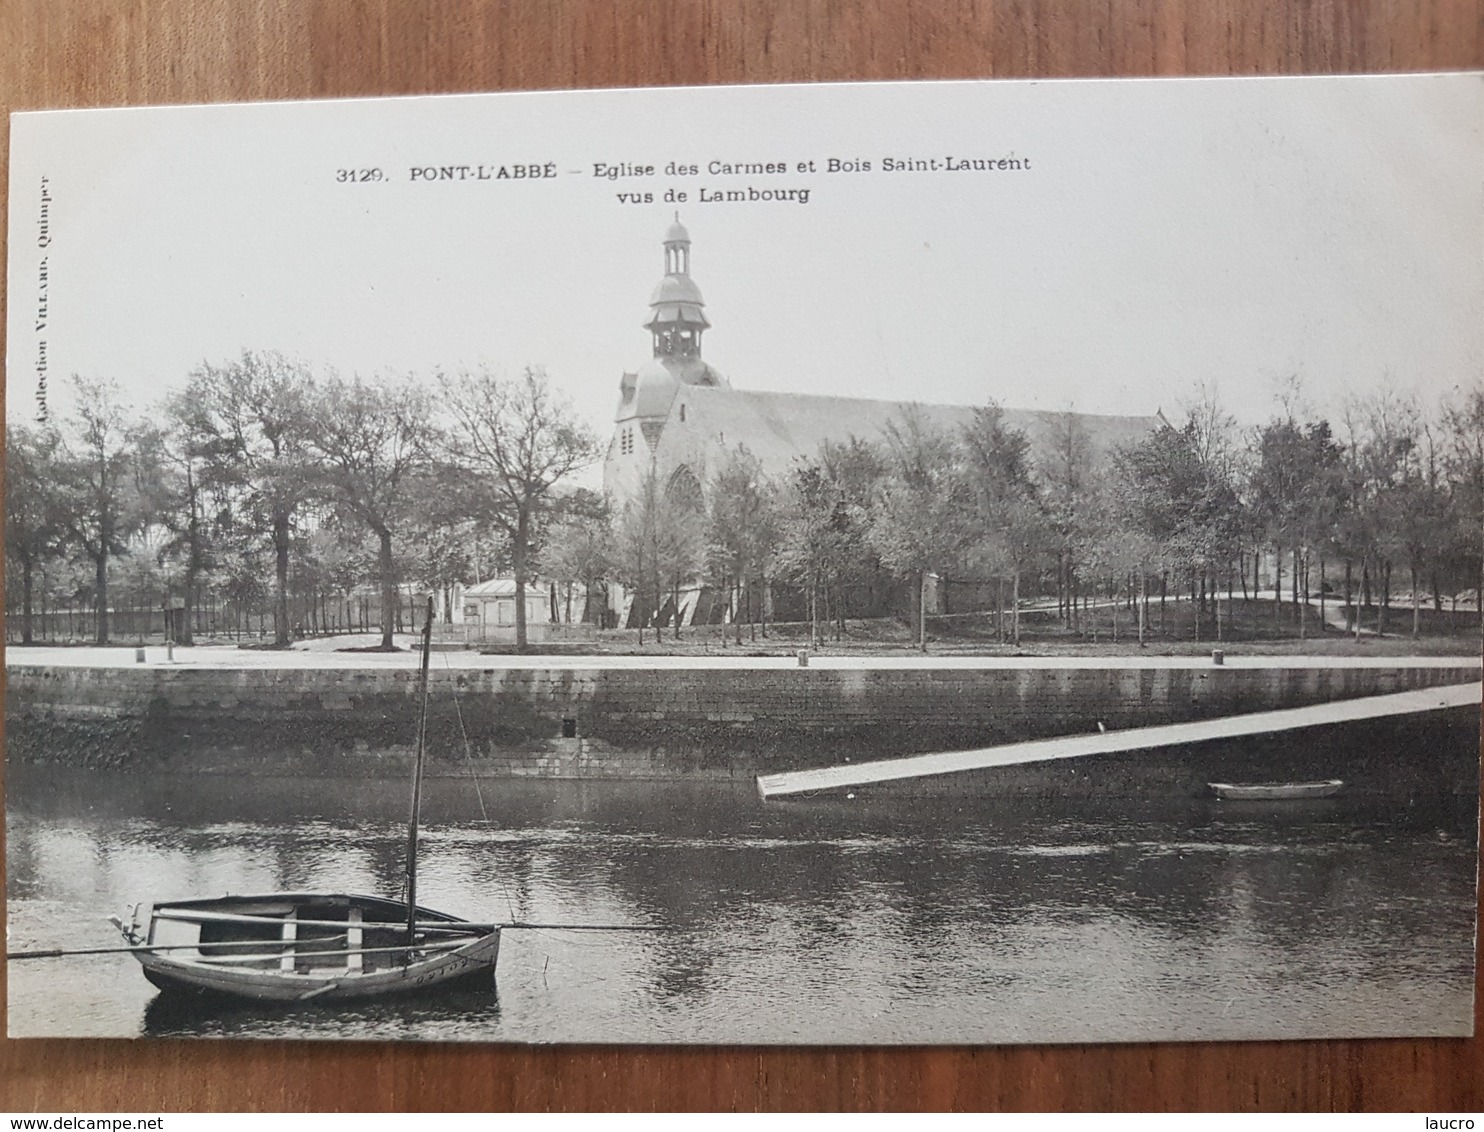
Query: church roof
column 495, row 587
column 503, row 587
column 686, row 369
column 651, row 391
column 779, row 427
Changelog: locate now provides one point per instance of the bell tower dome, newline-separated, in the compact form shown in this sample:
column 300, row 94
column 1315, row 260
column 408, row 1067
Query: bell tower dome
column 677, row 312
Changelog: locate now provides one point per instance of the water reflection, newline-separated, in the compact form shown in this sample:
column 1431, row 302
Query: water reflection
column 171, row 1016
column 885, row 919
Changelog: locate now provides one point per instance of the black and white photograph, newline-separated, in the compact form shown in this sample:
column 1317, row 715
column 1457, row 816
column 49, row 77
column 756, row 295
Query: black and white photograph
column 870, row 564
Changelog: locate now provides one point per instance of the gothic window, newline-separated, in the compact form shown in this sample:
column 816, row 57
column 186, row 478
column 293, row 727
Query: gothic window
column 685, row 490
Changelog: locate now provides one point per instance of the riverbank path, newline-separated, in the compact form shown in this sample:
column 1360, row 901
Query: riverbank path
column 231, row 658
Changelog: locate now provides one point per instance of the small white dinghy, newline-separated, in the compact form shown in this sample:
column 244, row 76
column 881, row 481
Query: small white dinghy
column 1275, row 791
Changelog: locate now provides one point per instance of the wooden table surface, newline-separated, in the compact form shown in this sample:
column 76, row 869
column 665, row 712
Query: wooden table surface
column 90, row 53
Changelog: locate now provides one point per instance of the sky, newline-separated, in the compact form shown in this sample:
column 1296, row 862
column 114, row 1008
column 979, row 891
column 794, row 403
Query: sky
column 1159, row 235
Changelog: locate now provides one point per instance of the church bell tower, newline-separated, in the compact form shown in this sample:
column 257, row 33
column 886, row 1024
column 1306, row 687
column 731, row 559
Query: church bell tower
column 647, row 397
column 677, row 311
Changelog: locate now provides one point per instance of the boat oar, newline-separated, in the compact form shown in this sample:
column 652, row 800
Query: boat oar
column 66, row 952
column 195, row 916
column 462, row 929
column 446, row 945
column 590, row 927
column 301, row 952
column 201, row 916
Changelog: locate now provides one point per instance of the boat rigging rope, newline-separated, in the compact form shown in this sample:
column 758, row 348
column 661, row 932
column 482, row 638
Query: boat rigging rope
column 473, row 775
column 468, row 749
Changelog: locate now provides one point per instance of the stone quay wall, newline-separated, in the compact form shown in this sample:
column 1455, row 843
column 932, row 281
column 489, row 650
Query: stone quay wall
column 625, row 722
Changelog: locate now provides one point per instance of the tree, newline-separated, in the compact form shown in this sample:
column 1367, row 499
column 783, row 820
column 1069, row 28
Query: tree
column 1224, row 465
column 632, row 557
column 659, row 540
column 854, row 470
column 918, row 525
column 579, row 547
column 35, row 523
column 1066, row 476
column 742, row 528
column 679, row 545
column 244, row 423
column 518, row 441
column 341, row 557
column 174, row 464
column 1180, row 497
column 439, row 557
column 1296, row 493
column 100, row 503
column 371, row 438
column 824, row 511
column 809, row 516
column 1383, row 437
column 1007, row 529
column 1463, row 458
column 1422, row 510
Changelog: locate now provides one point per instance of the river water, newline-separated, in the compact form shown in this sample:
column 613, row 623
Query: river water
column 845, row 921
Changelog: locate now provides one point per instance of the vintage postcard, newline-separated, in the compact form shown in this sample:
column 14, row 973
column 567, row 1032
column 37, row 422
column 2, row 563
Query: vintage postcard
column 963, row 562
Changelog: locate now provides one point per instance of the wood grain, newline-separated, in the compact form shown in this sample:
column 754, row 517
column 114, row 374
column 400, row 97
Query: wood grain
column 80, row 53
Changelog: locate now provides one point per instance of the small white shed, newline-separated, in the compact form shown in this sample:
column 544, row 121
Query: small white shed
column 489, row 609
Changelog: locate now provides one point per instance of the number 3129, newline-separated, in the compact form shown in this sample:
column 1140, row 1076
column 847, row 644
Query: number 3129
column 358, row 176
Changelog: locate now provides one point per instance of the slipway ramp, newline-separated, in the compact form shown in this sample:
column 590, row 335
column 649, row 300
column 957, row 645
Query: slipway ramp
column 1112, row 742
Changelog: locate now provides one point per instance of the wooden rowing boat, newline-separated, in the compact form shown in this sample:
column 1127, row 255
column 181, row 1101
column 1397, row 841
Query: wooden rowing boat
column 302, row 946
column 314, row 946
column 1275, row 791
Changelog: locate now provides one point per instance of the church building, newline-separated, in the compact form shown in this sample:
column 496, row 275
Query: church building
column 679, row 416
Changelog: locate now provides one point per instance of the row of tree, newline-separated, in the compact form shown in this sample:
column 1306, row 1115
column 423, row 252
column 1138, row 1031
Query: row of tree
column 259, row 469
column 1199, row 506
column 261, row 485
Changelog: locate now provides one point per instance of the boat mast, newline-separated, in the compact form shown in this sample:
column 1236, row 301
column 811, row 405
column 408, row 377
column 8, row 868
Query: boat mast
column 417, row 777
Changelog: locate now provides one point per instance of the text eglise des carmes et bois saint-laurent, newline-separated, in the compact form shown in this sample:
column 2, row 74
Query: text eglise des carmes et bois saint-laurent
column 701, row 194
